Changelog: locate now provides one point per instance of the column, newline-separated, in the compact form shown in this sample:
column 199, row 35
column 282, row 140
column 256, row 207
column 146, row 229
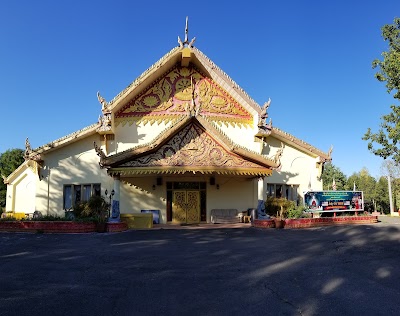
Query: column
column 115, row 211
column 260, row 186
column 260, row 196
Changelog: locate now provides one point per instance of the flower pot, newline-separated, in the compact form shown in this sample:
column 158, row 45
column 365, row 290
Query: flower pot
column 101, row 227
column 279, row 223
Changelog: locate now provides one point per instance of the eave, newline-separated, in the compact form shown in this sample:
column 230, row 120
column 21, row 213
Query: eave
column 299, row 144
column 66, row 140
column 264, row 172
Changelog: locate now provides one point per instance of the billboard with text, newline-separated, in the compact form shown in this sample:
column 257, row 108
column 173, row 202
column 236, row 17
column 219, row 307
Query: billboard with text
column 333, row 201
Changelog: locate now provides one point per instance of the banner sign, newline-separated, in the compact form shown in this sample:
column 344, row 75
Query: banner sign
column 332, row 201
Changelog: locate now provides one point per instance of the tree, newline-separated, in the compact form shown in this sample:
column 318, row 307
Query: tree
column 382, row 196
column 332, row 172
column 367, row 185
column 9, row 161
column 388, row 135
column 363, row 181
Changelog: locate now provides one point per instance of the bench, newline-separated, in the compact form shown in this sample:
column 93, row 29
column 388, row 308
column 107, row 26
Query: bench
column 225, row 216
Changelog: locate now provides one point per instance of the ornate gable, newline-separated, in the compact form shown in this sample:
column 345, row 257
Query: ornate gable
column 180, row 90
column 191, row 148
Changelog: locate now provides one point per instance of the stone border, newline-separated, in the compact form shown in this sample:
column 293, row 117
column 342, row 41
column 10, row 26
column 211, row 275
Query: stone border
column 317, row 222
column 57, row 227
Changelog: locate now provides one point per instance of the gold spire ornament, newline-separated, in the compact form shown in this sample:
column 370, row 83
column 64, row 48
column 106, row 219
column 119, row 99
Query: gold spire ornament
column 186, row 41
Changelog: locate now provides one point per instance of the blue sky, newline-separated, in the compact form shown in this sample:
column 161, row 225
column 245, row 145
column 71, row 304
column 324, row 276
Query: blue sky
column 312, row 58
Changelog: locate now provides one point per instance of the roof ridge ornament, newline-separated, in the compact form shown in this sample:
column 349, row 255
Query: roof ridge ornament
column 102, row 101
column 28, row 149
column 186, row 42
column 262, row 122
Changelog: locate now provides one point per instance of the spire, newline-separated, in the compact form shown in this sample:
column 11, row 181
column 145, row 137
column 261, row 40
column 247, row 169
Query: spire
column 186, row 30
column 186, row 42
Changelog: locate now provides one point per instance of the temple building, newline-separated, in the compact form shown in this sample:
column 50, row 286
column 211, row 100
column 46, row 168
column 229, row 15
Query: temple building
column 183, row 138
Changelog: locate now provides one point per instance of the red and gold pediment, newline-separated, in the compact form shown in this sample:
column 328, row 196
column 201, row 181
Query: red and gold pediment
column 192, row 149
column 180, row 90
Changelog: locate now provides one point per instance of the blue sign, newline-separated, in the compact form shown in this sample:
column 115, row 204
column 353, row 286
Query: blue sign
column 330, row 201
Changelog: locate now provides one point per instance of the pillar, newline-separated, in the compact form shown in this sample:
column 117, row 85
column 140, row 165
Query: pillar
column 260, row 195
column 260, row 186
column 115, row 211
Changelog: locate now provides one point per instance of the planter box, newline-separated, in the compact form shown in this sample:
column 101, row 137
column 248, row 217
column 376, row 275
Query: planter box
column 57, row 227
column 264, row 223
column 317, row 222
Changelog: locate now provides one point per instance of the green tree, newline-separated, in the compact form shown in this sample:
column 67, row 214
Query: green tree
column 367, row 184
column 332, row 172
column 9, row 161
column 382, row 203
column 353, row 181
column 363, row 181
column 384, row 142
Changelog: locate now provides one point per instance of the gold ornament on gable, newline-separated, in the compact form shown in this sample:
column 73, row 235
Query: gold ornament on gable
column 184, row 91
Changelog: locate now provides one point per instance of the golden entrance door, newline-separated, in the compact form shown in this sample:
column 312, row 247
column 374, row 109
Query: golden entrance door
column 186, row 207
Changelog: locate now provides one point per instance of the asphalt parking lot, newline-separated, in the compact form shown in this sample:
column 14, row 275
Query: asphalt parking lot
column 341, row 270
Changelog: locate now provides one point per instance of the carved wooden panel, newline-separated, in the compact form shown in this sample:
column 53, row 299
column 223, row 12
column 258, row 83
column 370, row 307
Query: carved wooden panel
column 180, row 88
column 186, row 207
column 192, row 147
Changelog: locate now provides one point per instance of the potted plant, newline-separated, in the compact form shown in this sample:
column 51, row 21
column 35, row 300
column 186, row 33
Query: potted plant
column 279, row 219
column 278, row 209
column 97, row 207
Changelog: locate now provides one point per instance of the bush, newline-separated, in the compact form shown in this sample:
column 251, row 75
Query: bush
column 97, row 207
column 278, row 206
column 79, row 210
column 297, row 212
column 49, row 218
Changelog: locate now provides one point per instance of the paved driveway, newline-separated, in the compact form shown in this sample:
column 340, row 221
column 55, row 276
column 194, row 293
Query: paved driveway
column 345, row 270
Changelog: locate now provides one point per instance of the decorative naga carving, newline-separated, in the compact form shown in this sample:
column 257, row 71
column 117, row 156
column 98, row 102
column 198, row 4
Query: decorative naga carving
column 99, row 153
column 330, row 152
column 28, row 149
column 264, row 115
column 102, row 101
column 29, row 154
column 105, row 123
column 278, row 156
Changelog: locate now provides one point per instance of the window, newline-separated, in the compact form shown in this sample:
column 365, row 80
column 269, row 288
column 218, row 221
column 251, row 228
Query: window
column 288, row 191
column 76, row 193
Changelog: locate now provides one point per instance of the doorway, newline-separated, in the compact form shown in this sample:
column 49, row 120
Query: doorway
column 186, row 202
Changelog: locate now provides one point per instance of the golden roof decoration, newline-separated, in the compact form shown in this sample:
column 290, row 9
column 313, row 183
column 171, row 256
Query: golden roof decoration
column 191, row 145
column 180, row 89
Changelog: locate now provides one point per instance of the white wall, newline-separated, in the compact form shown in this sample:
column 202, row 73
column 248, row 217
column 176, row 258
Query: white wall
column 21, row 193
column 128, row 136
column 76, row 163
column 297, row 167
column 243, row 136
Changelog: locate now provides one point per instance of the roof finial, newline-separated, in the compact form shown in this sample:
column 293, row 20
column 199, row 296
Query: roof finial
column 28, row 149
column 186, row 41
column 186, row 30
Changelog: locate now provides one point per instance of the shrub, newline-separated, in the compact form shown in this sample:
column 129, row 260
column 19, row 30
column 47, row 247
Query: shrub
column 97, row 207
column 278, row 206
column 79, row 210
column 49, row 218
